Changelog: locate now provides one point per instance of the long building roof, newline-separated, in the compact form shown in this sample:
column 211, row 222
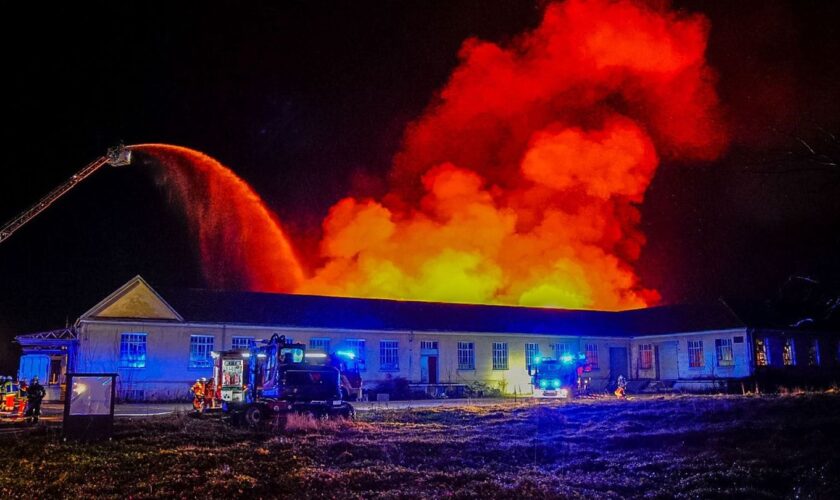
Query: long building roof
column 308, row 311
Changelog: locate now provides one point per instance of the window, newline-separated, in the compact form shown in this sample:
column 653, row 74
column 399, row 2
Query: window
column 723, row 351
column 762, row 351
column 592, row 355
column 431, row 345
column 200, row 348
column 500, row 356
column 695, row 354
column 389, row 352
column 645, row 356
column 241, row 342
column 789, row 353
column 466, row 356
column 357, row 346
column 321, row 344
column 133, row 350
column 532, row 352
column 814, row 353
column 560, row 350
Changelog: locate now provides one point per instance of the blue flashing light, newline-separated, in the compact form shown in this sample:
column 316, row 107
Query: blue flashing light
column 555, row 383
column 346, row 354
column 543, row 384
column 567, row 358
column 537, row 360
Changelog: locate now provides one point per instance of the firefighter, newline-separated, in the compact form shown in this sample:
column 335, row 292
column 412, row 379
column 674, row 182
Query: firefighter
column 621, row 387
column 34, row 395
column 10, row 392
column 209, row 394
column 198, row 395
column 4, row 390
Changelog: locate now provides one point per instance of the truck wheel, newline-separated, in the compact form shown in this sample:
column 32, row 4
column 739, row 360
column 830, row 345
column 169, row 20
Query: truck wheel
column 254, row 416
column 344, row 411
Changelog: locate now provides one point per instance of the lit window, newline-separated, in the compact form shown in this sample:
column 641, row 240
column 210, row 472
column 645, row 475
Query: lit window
column 466, row 356
column 431, row 345
column 762, row 351
column 645, row 356
column 814, row 353
column 389, row 355
column 789, row 353
column 532, row 352
column 592, row 355
column 723, row 350
column 560, row 350
column 200, row 348
column 321, row 344
column 133, row 350
column 695, row 354
column 241, row 342
column 500, row 356
column 357, row 347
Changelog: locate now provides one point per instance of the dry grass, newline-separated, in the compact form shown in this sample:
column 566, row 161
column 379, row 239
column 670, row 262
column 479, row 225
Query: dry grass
column 716, row 446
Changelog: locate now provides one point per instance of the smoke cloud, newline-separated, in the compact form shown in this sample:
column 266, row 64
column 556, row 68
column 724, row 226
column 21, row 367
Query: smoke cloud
column 521, row 183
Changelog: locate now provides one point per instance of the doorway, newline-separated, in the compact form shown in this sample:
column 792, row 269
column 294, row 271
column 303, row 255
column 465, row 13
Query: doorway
column 618, row 363
column 429, row 362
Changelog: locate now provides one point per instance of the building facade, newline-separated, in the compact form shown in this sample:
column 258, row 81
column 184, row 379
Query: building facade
column 161, row 341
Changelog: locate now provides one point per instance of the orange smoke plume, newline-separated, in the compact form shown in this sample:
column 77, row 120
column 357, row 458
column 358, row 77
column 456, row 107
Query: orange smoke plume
column 241, row 241
column 521, row 183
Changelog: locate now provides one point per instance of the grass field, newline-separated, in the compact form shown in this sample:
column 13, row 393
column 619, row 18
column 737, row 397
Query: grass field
column 783, row 446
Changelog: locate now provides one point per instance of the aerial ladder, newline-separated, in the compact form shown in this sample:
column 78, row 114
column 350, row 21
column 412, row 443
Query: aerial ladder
column 118, row 156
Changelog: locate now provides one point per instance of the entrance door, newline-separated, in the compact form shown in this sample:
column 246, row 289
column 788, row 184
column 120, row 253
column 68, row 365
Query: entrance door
column 666, row 362
column 428, row 369
column 433, row 369
column 656, row 361
column 618, row 363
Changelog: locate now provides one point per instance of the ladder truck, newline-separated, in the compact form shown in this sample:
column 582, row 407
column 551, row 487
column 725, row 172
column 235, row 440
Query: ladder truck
column 118, row 156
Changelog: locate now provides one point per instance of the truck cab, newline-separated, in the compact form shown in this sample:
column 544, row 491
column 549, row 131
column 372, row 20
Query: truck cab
column 558, row 378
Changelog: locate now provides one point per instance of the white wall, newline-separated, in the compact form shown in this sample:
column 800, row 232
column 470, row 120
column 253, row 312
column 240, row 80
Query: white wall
column 710, row 368
column 167, row 373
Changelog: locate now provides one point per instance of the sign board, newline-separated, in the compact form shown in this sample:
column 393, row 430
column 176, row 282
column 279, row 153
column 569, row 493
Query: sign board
column 89, row 405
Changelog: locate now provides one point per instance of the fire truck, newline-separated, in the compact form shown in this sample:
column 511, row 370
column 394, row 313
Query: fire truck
column 560, row 378
column 273, row 379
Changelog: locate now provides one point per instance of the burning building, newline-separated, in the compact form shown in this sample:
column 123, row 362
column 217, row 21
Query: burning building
column 159, row 341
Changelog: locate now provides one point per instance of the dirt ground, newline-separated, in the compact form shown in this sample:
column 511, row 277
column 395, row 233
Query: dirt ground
column 684, row 446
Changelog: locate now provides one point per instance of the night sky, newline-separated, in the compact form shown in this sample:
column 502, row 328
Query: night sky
column 308, row 101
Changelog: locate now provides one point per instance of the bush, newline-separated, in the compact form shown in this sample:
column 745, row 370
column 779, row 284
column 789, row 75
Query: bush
column 397, row 388
column 479, row 389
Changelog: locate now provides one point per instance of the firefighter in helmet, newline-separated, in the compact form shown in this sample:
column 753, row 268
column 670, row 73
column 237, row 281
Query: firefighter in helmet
column 209, row 393
column 620, row 387
column 197, row 390
column 34, row 395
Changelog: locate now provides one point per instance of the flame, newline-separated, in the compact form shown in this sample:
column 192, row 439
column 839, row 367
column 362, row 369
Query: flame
column 521, row 183
column 241, row 241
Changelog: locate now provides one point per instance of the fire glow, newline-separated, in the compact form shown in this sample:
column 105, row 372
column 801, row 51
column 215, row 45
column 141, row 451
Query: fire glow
column 519, row 185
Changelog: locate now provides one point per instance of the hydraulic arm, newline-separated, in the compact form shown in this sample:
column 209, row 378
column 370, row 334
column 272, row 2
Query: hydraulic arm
column 116, row 157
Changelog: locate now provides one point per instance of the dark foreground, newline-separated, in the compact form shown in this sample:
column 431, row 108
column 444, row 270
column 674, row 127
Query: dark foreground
column 677, row 446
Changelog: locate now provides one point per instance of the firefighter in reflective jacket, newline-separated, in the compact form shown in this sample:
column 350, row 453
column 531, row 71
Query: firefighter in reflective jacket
column 34, row 395
column 198, row 394
column 621, row 387
column 209, row 394
column 9, row 394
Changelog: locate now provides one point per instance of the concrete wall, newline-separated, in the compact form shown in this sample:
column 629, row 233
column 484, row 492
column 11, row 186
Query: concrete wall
column 167, row 374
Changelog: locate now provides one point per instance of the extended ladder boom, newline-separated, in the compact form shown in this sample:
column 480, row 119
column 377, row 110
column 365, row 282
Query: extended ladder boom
column 117, row 157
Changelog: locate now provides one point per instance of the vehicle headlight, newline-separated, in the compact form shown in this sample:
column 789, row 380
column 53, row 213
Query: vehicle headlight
column 556, row 383
column 543, row 383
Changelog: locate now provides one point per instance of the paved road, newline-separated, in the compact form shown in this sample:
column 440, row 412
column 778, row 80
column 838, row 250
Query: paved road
column 52, row 412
